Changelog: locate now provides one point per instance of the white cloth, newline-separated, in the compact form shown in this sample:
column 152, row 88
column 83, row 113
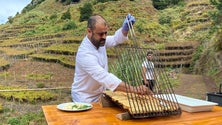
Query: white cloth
column 91, row 76
column 149, row 69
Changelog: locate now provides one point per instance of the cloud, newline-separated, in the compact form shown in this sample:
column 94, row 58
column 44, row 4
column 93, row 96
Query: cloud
column 10, row 8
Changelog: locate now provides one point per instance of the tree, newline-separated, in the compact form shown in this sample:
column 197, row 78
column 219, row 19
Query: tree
column 217, row 16
column 10, row 19
column 75, row 0
column 162, row 4
column 66, row 15
column 86, row 11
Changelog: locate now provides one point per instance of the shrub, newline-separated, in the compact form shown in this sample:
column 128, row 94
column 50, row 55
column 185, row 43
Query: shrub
column 67, row 2
column 13, row 121
column 40, row 85
column 10, row 19
column 1, row 108
column 162, row 4
column 53, row 16
column 75, row 0
column 103, row 1
column 86, row 11
column 69, row 25
column 165, row 19
column 66, row 15
column 29, row 33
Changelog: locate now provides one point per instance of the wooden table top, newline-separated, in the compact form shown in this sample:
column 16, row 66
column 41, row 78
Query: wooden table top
column 107, row 116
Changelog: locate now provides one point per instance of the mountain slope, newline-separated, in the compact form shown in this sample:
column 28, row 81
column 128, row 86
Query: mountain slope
column 38, row 33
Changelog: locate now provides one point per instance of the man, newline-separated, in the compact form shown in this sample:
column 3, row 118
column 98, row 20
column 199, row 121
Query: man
column 148, row 71
column 91, row 76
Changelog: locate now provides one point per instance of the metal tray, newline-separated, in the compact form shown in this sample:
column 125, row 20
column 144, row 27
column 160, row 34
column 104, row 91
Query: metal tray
column 191, row 104
column 194, row 105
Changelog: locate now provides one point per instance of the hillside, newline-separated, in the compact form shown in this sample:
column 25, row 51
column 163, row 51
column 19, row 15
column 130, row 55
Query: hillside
column 39, row 32
column 38, row 46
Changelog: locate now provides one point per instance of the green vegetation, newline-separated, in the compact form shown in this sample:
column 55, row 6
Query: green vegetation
column 86, row 11
column 29, row 118
column 40, row 85
column 69, row 49
column 35, row 30
column 103, row 1
column 40, row 76
column 26, row 96
column 1, row 108
column 217, row 15
column 175, row 21
column 16, row 53
column 66, row 15
column 69, row 25
column 128, row 66
column 67, row 61
column 32, row 6
column 4, row 63
column 162, row 4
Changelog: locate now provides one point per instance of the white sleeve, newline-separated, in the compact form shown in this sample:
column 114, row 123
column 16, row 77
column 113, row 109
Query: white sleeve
column 97, row 72
column 116, row 39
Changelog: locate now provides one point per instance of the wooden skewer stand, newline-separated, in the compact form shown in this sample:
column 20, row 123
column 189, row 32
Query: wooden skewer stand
column 104, row 101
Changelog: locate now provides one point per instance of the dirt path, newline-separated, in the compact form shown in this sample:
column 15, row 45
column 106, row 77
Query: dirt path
column 195, row 86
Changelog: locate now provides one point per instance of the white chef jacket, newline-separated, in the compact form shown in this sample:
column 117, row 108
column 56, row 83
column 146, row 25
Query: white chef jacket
column 91, row 75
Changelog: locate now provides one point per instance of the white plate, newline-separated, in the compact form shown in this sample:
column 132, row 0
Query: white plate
column 68, row 106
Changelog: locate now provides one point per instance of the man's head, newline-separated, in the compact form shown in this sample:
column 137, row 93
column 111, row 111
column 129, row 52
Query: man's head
column 149, row 55
column 97, row 30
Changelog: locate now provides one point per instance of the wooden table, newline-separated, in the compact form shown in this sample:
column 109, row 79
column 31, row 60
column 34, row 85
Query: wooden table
column 107, row 116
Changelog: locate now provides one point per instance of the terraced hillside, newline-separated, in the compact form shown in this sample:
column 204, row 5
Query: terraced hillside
column 194, row 21
column 61, row 48
column 35, row 39
column 176, row 55
column 40, row 41
column 13, row 47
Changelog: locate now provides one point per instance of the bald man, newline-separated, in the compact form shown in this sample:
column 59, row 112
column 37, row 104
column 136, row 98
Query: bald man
column 91, row 76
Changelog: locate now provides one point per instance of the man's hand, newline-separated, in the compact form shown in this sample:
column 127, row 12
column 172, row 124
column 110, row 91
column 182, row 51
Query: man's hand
column 146, row 82
column 130, row 20
column 142, row 89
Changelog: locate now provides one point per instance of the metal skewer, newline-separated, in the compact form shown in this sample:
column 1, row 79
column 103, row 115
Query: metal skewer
column 163, row 101
column 132, row 33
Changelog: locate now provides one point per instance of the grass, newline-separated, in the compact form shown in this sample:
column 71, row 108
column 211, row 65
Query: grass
column 69, row 49
column 4, row 63
column 40, row 76
column 12, row 117
column 29, row 118
column 62, row 59
column 16, row 52
column 26, row 95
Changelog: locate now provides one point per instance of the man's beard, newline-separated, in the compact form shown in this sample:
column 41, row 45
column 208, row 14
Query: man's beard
column 98, row 43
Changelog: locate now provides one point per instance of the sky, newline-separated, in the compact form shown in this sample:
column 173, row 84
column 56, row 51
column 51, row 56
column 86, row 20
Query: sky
column 10, row 8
